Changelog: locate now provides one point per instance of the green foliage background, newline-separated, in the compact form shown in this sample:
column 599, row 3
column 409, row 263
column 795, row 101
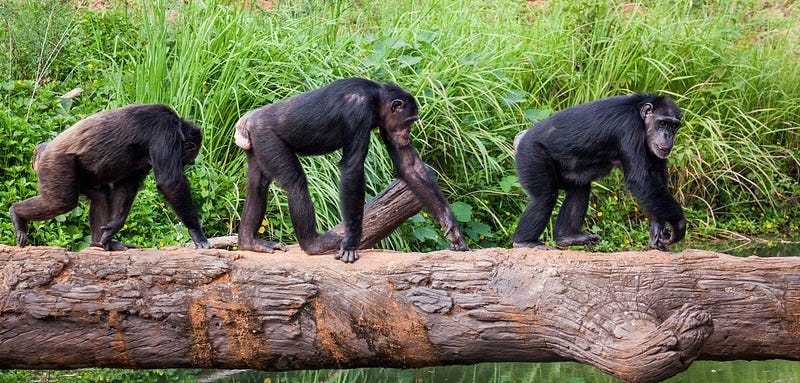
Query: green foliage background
column 482, row 70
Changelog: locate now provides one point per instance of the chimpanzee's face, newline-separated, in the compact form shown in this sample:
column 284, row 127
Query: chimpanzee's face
column 662, row 124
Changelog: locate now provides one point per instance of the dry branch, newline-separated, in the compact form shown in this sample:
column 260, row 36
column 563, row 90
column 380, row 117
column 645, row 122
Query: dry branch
column 638, row 316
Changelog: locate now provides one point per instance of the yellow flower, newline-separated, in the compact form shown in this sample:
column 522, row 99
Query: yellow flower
column 264, row 222
column 94, row 81
column 261, row 230
column 19, row 82
column 235, row 248
column 636, row 209
column 599, row 213
column 481, row 237
column 202, row 187
column 616, row 198
column 424, row 214
column 161, row 244
column 508, row 213
column 613, row 222
column 769, row 226
column 90, row 66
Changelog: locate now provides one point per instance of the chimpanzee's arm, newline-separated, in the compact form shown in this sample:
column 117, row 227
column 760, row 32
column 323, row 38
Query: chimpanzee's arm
column 646, row 178
column 351, row 193
column 423, row 184
column 165, row 157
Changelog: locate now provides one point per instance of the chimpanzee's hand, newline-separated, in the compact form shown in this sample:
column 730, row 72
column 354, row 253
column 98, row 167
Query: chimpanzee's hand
column 453, row 234
column 199, row 239
column 21, row 226
column 657, row 230
column 678, row 231
column 347, row 255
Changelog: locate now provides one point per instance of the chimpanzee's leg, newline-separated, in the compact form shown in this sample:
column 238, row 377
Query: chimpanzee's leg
column 538, row 177
column 570, row 217
column 255, row 205
column 280, row 162
column 58, row 194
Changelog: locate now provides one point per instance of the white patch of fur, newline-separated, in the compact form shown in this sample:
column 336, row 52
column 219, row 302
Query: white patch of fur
column 518, row 138
column 355, row 98
column 242, row 134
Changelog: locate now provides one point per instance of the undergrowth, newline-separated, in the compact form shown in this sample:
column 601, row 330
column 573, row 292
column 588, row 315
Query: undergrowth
column 481, row 71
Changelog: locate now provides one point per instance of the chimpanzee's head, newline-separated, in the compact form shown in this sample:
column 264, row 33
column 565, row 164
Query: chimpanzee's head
column 192, row 140
column 398, row 110
column 662, row 119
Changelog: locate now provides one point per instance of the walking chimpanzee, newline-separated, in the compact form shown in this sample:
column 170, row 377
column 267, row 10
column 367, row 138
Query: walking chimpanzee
column 106, row 157
column 577, row 145
column 340, row 115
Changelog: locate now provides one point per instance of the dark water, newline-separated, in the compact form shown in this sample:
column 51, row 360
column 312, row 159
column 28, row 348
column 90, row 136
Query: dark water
column 771, row 371
column 777, row 248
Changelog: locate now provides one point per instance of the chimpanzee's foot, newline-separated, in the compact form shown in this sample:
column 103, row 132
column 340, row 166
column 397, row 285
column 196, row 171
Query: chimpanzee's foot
column 260, row 246
column 113, row 246
column 582, row 238
column 327, row 242
column 533, row 245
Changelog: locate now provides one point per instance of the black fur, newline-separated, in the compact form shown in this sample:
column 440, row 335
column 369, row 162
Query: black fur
column 580, row 144
column 106, row 157
column 340, row 115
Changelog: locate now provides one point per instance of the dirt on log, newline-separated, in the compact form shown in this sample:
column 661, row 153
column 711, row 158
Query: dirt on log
column 641, row 317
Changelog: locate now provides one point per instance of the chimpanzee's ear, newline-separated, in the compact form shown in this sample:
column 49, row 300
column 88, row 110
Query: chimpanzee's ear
column 647, row 109
column 397, row 104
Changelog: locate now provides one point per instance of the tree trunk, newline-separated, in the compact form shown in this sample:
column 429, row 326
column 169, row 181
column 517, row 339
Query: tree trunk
column 641, row 317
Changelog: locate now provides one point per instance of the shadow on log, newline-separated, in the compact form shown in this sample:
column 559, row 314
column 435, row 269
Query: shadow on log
column 641, row 317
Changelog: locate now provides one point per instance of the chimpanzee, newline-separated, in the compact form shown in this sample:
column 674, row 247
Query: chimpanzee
column 106, row 157
column 339, row 115
column 582, row 143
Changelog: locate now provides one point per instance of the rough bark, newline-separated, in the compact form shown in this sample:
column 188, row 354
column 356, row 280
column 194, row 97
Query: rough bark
column 641, row 317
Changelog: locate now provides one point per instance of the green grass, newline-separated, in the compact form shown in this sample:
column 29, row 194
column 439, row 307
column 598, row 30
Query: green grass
column 481, row 71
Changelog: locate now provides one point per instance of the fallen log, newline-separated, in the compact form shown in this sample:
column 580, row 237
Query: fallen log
column 641, row 317
column 382, row 215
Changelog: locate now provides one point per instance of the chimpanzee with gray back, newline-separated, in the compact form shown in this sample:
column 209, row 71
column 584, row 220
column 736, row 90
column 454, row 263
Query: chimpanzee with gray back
column 580, row 144
column 340, row 115
column 106, row 157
